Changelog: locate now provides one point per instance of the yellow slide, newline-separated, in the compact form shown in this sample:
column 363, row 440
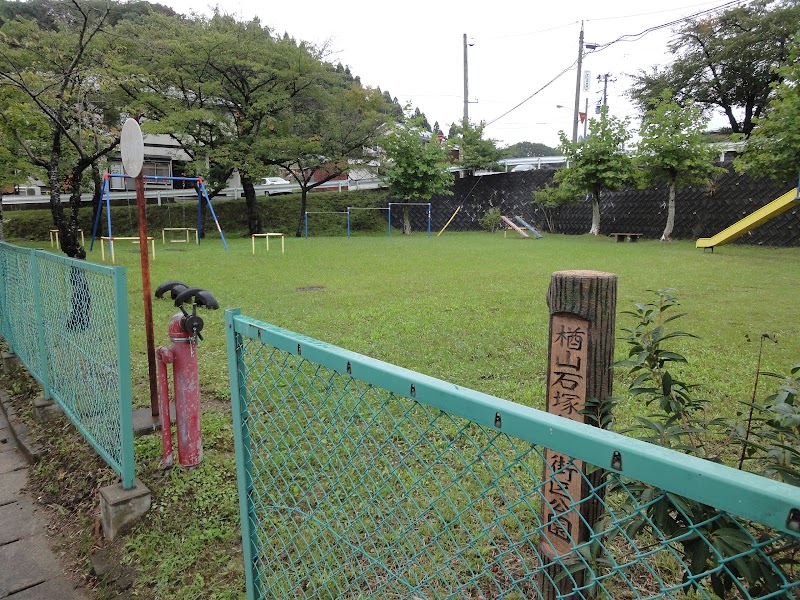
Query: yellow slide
column 751, row 221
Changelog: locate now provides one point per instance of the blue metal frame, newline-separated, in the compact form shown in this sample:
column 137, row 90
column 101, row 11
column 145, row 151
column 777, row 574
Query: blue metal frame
column 201, row 194
column 428, row 204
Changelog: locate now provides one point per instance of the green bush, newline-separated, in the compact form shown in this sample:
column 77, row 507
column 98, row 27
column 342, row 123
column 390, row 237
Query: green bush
column 491, row 219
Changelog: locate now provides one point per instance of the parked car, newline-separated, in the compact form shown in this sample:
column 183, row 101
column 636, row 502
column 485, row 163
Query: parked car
column 275, row 185
column 273, row 181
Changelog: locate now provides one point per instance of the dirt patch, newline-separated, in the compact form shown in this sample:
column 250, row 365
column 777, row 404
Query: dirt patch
column 311, row 288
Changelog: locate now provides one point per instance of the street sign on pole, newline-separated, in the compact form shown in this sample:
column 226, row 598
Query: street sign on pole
column 132, row 150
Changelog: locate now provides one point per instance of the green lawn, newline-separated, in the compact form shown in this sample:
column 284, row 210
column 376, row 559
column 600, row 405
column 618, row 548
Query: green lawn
column 470, row 307
column 465, row 307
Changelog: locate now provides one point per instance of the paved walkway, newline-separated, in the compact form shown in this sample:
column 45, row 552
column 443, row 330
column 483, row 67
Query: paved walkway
column 28, row 568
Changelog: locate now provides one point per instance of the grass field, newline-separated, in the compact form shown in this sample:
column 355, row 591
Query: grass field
column 465, row 307
column 470, row 307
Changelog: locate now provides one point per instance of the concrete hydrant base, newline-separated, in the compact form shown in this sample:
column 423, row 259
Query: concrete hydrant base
column 119, row 507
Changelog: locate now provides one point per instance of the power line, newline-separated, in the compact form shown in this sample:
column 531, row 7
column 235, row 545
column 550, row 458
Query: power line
column 569, row 68
column 622, row 38
column 647, row 14
column 634, row 37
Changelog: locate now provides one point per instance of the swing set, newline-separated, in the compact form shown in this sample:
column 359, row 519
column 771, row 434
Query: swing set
column 106, row 195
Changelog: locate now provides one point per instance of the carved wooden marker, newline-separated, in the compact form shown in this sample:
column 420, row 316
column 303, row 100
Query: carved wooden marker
column 581, row 354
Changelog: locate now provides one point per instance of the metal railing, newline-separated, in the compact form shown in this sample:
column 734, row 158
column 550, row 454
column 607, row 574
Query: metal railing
column 67, row 321
column 359, row 479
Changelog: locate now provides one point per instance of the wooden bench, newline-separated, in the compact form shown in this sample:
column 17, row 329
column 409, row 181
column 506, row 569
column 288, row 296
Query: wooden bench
column 625, row 237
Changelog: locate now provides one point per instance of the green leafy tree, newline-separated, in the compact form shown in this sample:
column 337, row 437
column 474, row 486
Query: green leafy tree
column 476, row 152
column 729, row 61
column 773, row 149
column 418, row 169
column 673, row 149
column 423, row 120
column 54, row 90
column 598, row 163
column 14, row 169
column 528, row 149
column 325, row 132
column 219, row 87
column 553, row 196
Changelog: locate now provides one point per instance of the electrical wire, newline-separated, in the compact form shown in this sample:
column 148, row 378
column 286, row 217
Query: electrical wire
column 634, row 37
column 623, row 38
column 553, row 80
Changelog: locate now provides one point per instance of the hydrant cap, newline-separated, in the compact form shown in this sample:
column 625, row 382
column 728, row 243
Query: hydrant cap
column 175, row 329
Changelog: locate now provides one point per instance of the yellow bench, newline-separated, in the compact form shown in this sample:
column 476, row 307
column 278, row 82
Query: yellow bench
column 266, row 236
column 135, row 240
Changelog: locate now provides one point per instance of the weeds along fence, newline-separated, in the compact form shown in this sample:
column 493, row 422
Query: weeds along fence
column 360, row 479
column 67, row 321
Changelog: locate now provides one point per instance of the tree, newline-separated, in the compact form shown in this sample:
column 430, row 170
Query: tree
column 14, row 169
column 52, row 85
column 419, row 169
column 554, row 195
column 327, row 130
column 597, row 163
column 476, row 152
column 422, row 119
column 219, row 87
column 673, row 149
column 528, row 149
column 729, row 61
column 773, row 148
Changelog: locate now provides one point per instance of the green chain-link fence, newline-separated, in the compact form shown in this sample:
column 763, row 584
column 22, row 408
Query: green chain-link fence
column 67, row 320
column 359, row 479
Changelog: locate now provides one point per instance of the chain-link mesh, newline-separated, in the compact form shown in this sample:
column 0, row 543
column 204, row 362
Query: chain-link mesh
column 351, row 490
column 23, row 333
column 67, row 321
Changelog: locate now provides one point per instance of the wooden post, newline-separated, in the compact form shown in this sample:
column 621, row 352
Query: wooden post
column 580, row 358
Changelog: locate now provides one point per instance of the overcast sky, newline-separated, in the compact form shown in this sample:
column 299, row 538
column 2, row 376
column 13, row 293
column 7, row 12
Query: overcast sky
column 414, row 50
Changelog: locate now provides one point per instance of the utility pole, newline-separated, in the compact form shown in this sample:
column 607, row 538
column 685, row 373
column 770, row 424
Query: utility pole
column 466, row 85
column 605, row 77
column 586, row 118
column 577, row 87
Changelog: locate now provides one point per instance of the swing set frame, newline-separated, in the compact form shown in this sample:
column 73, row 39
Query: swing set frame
column 106, row 195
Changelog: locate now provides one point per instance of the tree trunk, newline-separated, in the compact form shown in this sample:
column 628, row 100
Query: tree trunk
column 406, row 221
column 303, row 205
column 667, row 235
column 253, row 218
column 595, row 230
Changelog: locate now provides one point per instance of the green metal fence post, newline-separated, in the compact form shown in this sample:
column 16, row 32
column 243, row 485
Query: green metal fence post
column 120, row 279
column 5, row 330
column 241, row 437
column 44, row 371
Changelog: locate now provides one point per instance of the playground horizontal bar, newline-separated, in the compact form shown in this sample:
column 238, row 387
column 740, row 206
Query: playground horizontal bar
column 367, row 208
column 154, row 177
column 327, row 212
column 409, row 204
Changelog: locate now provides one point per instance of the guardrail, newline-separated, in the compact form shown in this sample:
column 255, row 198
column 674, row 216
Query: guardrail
column 191, row 195
column 358, row 478
column 67, row 321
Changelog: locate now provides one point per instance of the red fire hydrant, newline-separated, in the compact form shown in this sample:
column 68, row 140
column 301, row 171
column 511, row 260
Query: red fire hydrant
column 184, row 331
column 183, row 356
